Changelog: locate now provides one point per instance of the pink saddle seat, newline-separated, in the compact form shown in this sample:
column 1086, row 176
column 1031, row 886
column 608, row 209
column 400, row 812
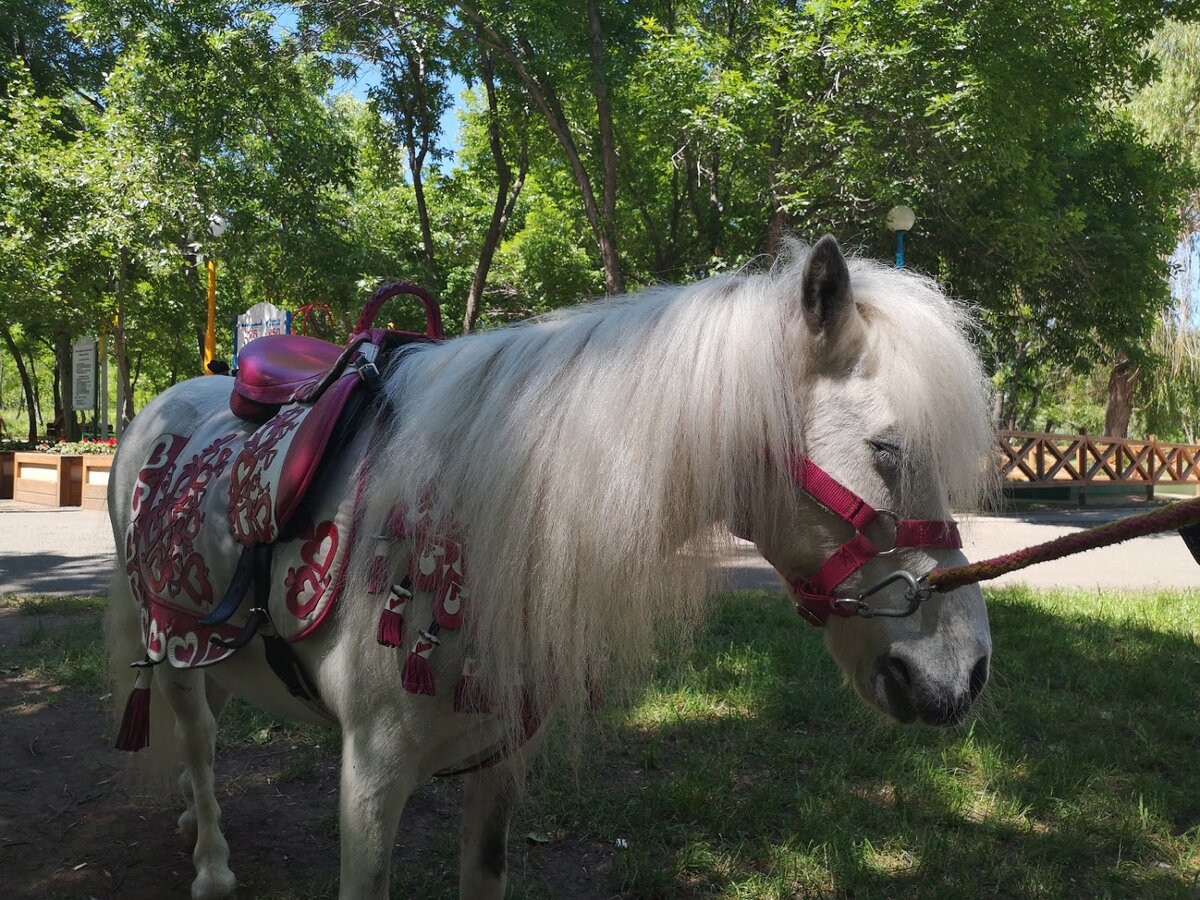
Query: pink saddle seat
column 273, row 369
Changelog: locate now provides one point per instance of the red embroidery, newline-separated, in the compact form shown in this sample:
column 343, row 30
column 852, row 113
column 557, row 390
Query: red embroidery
column 162, row 563
column 251, row 510
column 307, row 585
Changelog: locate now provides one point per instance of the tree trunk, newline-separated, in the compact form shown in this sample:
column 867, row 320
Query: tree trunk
column 122, row 351
column 616, row 282
column 507, row 191
column 777, row 225
column 608, row 141
column 56, row 403
column 31, row 362
column 64, row 384
column 716, row 208
column 26, row 382
column 1121, row 383
column 547, row 103
column 416, row 166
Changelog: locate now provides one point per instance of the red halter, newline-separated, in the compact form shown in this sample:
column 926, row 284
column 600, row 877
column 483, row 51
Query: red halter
column 816, row 600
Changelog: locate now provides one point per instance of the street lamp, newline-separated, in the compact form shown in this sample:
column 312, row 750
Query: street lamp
column 217, row 224
column 900, row 219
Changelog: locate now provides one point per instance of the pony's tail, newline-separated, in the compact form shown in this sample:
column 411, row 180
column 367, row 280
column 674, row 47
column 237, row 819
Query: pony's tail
column 158, row 763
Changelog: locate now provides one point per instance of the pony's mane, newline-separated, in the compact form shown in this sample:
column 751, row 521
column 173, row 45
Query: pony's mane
column 582, row 452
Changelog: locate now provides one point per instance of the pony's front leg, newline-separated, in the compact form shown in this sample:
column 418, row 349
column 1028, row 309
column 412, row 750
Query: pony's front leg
column 375, row 787
column 488, row 797
column 196, row 735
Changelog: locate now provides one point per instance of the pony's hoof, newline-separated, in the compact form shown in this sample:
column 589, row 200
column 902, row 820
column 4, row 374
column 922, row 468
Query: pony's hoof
column 214, row 884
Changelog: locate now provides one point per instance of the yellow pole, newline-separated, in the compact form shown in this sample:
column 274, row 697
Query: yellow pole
column 210, row 333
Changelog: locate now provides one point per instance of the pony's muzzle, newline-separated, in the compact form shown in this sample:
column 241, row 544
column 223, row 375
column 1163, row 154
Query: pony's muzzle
column 911, row 695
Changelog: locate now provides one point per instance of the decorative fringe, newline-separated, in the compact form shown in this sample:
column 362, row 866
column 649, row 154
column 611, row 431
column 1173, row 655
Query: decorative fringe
column 398, row 520
column 468, row 693
column 134, row 733
column 377, row 574
column 390, row 632
column 391, row 629
column 417, row 676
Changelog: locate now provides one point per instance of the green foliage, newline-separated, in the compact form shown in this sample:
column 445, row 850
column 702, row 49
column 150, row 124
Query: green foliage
column 1168, row 108
column 1013, row 136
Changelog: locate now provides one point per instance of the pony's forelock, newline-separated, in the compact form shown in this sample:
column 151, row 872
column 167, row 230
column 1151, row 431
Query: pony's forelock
column 591, row 456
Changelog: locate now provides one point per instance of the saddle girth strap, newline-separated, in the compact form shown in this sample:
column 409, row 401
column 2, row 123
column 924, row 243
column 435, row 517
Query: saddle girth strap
column 238, row 585
column 286, row 665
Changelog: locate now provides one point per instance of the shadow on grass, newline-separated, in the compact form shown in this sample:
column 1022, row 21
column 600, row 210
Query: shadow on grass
column 748, row 770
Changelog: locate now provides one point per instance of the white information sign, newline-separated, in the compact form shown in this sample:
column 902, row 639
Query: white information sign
column 83, row 371
column 259, row 320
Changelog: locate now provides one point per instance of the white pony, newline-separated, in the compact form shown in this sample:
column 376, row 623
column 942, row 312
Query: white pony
column 591, row 462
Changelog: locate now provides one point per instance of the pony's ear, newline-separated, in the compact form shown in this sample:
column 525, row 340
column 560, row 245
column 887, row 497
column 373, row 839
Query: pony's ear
column 825, row 286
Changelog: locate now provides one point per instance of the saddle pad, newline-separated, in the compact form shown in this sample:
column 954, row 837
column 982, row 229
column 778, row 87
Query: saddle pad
column 166, row 547
column 180, row 554
column 276, row 466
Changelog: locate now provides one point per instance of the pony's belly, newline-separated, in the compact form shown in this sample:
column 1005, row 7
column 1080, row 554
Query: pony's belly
column 247, row 675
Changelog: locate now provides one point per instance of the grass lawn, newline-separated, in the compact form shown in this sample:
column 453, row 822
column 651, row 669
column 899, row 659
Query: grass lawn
column 747, row 770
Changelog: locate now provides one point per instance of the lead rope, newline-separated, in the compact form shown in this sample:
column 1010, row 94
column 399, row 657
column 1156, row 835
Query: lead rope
column 1177, row 517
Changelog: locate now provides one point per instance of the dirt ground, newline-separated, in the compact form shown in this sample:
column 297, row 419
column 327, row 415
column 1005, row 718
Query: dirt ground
column 74, row 824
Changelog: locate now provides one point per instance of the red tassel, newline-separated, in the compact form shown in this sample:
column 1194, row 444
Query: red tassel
column 391, row 629
column 468, row 693
column 134, row 733
column 378, row 573
column 417, row 676
column 390, row 632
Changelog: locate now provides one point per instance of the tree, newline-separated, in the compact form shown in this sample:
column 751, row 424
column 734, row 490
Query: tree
column 1168, row 108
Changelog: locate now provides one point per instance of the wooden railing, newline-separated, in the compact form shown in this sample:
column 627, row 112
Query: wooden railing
column 1031, row 460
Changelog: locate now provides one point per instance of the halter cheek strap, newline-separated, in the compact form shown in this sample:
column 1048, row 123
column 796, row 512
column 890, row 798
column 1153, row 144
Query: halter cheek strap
column 815, row 597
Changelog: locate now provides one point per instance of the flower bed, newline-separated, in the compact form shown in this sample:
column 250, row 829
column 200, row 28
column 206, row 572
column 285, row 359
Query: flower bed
column 87, row 446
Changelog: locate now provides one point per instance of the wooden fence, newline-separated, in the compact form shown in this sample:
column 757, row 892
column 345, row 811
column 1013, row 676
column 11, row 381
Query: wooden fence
column 1030, row 460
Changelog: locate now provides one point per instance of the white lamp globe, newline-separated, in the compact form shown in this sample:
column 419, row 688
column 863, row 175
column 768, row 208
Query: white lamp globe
column 901, row 218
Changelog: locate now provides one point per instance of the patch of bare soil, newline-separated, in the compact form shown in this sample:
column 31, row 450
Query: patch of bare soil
column 74, row 824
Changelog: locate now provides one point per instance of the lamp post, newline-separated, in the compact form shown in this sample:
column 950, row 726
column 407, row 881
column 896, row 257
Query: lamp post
column 217, row 224
column 900, row 219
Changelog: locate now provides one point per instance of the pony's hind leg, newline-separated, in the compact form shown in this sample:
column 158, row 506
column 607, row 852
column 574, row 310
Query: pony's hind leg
column 196, row 735
column 488, row 797
column 218, row 698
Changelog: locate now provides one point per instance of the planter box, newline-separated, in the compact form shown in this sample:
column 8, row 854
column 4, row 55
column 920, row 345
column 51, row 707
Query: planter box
column 48, row 479
column 7, row 474
column 96, row 467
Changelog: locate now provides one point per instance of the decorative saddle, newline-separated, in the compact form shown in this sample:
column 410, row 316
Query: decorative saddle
column 306, row 395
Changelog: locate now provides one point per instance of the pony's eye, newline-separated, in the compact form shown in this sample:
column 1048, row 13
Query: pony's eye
column 887, row 454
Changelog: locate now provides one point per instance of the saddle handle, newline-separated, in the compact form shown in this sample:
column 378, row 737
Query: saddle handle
column 433, row 315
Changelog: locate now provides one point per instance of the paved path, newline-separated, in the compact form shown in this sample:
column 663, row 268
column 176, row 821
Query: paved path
column 54, row 551
column 51, row 551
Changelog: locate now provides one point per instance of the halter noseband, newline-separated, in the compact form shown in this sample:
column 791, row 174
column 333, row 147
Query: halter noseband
column 816, row 600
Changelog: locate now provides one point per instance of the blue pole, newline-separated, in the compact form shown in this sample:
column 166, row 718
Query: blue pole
column 899, row 249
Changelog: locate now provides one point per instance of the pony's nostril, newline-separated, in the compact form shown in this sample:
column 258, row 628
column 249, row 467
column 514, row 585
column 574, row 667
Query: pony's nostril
column 979, row 677
column 899, row 668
